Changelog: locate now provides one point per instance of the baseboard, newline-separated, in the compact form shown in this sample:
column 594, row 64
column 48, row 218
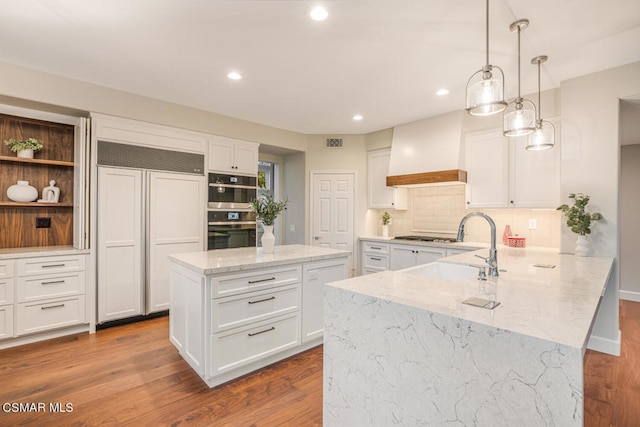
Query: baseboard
column 56, row 333
column 630, row 295
column 605, row 345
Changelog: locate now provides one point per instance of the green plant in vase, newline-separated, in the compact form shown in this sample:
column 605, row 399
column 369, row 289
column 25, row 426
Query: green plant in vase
column 579, row 220
column 386, row 220
column 24, row 148
column 267, row 210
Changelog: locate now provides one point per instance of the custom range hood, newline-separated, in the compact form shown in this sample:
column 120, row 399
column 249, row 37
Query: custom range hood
column 427, row 152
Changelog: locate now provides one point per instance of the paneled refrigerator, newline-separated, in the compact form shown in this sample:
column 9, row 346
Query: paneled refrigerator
column 144, row 214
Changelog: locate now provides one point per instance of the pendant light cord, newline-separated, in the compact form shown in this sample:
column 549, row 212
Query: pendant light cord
column 519, row 97
column 487, row 32
column 539, row 98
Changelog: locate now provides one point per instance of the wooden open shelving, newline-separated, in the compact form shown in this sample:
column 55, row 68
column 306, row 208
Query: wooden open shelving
column 36, row 161
column 35, row 205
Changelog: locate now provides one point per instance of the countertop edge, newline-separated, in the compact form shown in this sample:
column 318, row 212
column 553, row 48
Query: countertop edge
column 35, row 252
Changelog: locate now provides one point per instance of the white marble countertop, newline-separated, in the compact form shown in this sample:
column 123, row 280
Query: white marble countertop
column 240, row 259
column 557, row 304
column 452, row 245
column 34, row 252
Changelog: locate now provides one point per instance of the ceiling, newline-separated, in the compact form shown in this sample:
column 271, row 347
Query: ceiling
column 383, row 59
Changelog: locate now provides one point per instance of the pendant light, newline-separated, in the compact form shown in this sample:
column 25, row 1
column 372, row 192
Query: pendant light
column 520, row 115
column 485, row 88
column 545, row 134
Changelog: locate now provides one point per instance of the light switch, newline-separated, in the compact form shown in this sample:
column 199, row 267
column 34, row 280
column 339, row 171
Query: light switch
column 292, row 228
column 533, row 224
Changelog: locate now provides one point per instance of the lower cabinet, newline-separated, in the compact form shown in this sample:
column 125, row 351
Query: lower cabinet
column 405, row 256
column 6, row 321
column 227, row 325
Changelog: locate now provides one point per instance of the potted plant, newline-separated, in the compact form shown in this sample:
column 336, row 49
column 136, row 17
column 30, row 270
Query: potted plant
column 26, row 148
column 267, row 210
column 386, row 220
column 579, row 220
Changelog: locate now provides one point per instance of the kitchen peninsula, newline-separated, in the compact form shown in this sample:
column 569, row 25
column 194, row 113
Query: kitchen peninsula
column 233, row 311
column 401, row 347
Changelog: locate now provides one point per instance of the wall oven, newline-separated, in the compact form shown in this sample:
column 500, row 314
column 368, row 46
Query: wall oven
column 231, row 192
column 231, row 229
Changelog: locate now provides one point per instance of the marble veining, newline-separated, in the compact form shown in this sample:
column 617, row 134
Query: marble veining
column 404, row 350
column 241, row 259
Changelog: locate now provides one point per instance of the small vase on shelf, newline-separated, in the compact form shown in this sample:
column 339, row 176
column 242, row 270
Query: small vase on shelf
column 268, row 240
column 582, row 246
column 25, row 154
column 22, row 192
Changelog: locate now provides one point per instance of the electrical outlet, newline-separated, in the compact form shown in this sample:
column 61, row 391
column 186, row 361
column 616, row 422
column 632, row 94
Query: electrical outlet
column 43, row 222
column 533, row 224
column 292, row 228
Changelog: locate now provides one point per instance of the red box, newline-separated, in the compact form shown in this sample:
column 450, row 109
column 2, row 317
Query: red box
column 517, row 242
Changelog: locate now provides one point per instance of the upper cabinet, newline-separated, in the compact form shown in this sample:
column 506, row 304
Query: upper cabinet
column 501, row 173
column 228, row 155
column 381, row 196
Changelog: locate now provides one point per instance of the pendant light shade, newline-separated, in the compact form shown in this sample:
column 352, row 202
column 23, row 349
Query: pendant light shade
column 485, row 88
column 544, row 136
column 520, row 114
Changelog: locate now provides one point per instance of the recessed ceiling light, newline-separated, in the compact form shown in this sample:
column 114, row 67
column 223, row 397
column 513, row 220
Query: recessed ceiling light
column 318, row 13
column 442, row 92
column 357, row 117
column 234, row 75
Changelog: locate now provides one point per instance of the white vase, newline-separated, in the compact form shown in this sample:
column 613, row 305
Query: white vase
column 582, row 246
column 22, row 192
column 268, row 240
column 385, row 231
column 25, row 154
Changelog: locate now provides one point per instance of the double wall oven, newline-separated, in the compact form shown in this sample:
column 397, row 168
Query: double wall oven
column 231, row 224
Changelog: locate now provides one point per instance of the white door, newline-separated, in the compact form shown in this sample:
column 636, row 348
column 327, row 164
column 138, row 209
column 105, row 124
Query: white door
column 120, row 244
column 176, row 225
column 333, row 210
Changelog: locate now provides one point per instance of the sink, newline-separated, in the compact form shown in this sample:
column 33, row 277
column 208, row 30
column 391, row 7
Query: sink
column 444, row 271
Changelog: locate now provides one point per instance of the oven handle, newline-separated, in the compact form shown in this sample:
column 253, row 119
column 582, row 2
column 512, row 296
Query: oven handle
column 233, row 222
column 248, row 187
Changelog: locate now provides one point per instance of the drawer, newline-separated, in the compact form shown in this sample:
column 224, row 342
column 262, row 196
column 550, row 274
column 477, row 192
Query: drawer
column 42, row 316
column 50, row 265
column 6, row 269
column 251, row 280
column 6, row 291
column 36, row 288
column 243, row 309
column 247, row 344
column 6, row 321
column 379, row 262
column 376, row 248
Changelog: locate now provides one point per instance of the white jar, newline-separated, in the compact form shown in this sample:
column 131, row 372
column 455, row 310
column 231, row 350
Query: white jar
column 22, row 192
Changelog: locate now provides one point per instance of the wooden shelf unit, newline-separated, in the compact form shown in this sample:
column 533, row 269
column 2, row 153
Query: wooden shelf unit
column 53, row 162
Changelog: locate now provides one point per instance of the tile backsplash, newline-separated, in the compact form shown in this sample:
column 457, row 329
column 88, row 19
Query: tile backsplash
column 437, row 210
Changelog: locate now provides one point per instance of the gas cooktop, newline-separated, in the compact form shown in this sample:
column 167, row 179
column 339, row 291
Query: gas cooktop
column 426, row 239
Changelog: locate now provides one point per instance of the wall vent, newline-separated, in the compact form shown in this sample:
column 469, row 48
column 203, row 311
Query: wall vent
column 333, row 143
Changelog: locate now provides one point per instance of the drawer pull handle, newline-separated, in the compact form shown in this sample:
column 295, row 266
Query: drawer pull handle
column 261, row 280
column 376, row 247
column 53, row 282
column 52, row 306
column 273, row 328
column 376, row 259
column 261, row 300
column 53, row 265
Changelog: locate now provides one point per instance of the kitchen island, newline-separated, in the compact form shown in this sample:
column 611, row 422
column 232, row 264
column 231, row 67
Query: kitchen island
column 402, row 348
column 233, row 311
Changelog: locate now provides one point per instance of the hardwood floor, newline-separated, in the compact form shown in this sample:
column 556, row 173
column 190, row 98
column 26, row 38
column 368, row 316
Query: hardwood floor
column 132, row 375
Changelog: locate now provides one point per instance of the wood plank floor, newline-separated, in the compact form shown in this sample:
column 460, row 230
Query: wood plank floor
column 132, row 376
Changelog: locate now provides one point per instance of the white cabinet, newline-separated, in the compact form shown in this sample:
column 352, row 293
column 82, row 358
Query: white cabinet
column 229, row 155
column 49, row 293
column 405, row 256
column 501, row 173
column 6, row 299
column 314, row 276
column 375, row 256
column 381, row 196
column 229, row 324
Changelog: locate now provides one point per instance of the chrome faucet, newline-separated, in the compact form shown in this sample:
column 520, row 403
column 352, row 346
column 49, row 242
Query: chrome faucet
column 492, row 260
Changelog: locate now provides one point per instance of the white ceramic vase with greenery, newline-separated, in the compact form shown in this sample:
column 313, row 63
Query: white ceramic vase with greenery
column 24, row 149
column 579, row 221
column 386, row 220
column 267, row 210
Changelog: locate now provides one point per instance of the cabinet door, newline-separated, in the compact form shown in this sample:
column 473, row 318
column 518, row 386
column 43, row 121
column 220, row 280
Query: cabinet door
column 120, row 250
column 314, row 277
column 486, row 155
column 402, row 257
column 427, row 255
column 381, row 196
column 176, row 225
column 221, row 155
column 535, row 176
column 246, row 158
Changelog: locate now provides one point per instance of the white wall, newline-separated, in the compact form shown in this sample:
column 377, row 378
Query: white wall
column 293, row 188
column 591, row 165
column 629, row 224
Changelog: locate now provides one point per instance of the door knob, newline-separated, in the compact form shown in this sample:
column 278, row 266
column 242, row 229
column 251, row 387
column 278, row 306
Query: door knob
column 316, row 237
